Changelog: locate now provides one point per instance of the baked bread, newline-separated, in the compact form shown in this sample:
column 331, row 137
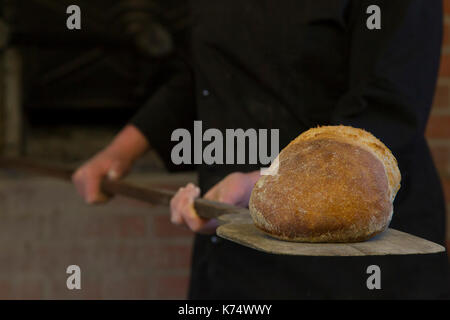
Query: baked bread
column 333, row 184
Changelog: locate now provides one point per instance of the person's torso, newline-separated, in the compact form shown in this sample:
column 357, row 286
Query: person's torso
column 284, row 65
column 269, row 64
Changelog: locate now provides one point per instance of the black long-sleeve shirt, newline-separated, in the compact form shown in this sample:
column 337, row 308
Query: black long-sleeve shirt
column 293, row 65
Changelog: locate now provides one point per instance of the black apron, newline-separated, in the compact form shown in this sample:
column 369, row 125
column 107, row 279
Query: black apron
column 292, row 65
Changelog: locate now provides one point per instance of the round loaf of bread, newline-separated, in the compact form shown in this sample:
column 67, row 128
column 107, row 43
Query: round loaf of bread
column 330, row 184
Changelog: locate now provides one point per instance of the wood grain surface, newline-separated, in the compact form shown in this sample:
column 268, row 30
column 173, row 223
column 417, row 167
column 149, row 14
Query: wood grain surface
column 239, row 228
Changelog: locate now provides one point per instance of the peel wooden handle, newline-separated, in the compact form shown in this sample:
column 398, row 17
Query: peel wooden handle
column 205, row 208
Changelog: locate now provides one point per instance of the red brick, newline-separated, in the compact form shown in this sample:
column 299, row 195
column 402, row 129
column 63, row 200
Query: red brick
column 130, row 202
column 444, row 69
column 128, row 287
column 129, row 258
column 446, row 7
column 12, row 261
column 446, row 34
column 446, row 186
column 172, row 256
column 172, row 287
column 29, row 289
column 5, row 290
column 53, row 259
column 100, row 227
column 119, row 256
column 438, row 127
column 132, row 226
column 162, row 227
column 126, row 256
column 441, row 157
column 113, row 226
column 448, row 248
column 91, row 289
column 441, row 97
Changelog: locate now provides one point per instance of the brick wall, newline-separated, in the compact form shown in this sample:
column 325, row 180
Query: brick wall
column 438, row 129
column 125, row 249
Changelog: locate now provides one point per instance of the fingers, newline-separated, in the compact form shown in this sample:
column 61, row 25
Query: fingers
column 88, row 178
column 87, row 182
column 92, row 190
column 182, row 208
column 116, row 170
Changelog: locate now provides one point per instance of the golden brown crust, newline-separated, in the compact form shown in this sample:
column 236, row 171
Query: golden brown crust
column 364, row 139
column 334, row 184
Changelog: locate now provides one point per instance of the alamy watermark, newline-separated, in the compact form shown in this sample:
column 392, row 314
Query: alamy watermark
column 236, row 146
column 373, row 22
column 73, row 21
column 73, row 281
column 374, row 280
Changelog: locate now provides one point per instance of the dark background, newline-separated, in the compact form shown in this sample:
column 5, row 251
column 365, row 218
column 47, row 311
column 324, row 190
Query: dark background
column 64, row 94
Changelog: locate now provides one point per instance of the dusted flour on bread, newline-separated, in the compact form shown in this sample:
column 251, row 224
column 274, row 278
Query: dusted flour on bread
column 334, row 184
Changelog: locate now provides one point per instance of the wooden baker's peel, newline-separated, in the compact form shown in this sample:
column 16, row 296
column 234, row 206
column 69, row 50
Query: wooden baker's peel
column 240, row 228
column 236, row 224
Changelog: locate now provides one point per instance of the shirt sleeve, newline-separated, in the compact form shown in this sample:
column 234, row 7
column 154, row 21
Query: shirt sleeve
column 169, row 108
column 392, row 71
